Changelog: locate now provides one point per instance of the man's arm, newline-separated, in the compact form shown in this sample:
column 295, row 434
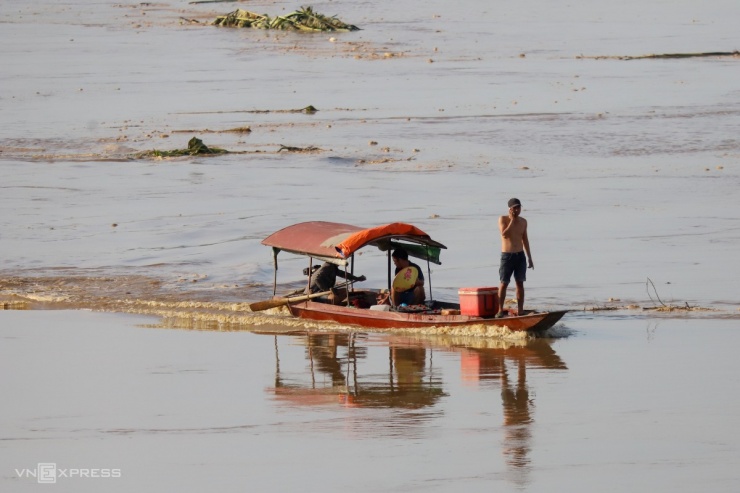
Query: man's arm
column 525, row 242
column 349, row 276
column 504, row 225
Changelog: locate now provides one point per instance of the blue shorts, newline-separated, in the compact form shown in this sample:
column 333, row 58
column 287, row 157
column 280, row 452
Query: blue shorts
column 513, row 263
column 406, row 297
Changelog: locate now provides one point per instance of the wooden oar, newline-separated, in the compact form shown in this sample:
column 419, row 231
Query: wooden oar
column 258, row 306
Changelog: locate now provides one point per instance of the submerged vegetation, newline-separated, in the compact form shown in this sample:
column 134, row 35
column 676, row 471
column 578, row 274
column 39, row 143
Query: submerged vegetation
column 309, row 110
column 195, row 147
column 304, row 19
column 303, row 150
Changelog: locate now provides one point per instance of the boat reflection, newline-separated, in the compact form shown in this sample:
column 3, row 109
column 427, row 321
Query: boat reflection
column 343, row 372
column 408, row 379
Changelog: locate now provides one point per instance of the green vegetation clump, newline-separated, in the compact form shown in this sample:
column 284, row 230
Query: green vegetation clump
column 304, row 19
column 195, row 147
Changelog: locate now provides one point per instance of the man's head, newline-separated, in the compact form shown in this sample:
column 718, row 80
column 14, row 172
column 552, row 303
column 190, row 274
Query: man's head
column 400, row 256
column 514, row 203
column 515, row 207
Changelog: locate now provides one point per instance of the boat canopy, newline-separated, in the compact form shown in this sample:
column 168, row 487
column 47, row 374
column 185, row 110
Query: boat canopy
column 337, row 242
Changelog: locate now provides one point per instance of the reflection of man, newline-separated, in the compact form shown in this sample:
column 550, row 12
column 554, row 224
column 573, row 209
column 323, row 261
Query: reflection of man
column 491, row 366
column 517, row 418
column 516, row 398
column 415, row 294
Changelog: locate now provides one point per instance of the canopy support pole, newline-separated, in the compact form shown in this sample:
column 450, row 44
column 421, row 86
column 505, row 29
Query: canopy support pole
column 275, row 252
column 310, row 274
column 389, row 270
column 351, row 271
column 346, row 280
column 429, row 276
column 347, row 276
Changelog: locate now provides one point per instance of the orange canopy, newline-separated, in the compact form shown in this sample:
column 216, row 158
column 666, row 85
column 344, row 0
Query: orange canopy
column 337, row 242
column 398, row 230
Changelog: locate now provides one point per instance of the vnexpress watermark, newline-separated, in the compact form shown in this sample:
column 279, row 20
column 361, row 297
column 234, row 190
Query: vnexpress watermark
column 49, row 473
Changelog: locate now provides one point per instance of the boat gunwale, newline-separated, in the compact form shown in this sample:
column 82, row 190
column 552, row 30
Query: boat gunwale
column 313, row 310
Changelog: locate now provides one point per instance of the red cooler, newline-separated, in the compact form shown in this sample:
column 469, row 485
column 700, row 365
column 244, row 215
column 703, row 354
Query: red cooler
column 478, row 302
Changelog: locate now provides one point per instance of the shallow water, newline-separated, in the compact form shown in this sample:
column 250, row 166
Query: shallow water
column 627, row 169
column 609, row 404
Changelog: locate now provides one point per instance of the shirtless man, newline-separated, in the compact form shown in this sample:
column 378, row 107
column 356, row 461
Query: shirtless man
column 515, row 255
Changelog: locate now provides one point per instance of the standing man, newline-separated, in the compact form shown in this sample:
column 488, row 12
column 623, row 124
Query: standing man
column 515, row 255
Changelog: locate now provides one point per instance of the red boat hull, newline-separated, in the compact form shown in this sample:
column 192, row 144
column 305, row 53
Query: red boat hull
column 311, row 310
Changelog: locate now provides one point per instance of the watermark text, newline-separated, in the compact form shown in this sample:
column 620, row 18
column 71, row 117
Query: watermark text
column 49, row 473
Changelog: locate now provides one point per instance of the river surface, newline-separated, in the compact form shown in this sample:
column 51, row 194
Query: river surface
column 605, row 404
column 627, row 169
column 433, row 114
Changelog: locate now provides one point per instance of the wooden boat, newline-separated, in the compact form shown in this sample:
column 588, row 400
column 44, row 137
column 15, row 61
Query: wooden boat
column 337, row 243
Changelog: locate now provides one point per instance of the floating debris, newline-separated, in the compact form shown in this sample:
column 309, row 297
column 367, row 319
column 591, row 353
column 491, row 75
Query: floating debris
column 309, row 110
column 309, row 149
column 385, row 160
column 667, row 308
column 211, row 1
column 304, row 19
column 195, row 147
column 237, row 130
column 243, row 18
column 709, row 54
column 601, row 308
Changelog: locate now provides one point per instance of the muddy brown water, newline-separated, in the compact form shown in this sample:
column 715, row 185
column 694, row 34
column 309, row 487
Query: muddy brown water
column 608, row 403
column 627, row 170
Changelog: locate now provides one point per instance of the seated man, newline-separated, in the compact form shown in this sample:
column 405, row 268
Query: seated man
column 415, row 295
column 325, row 276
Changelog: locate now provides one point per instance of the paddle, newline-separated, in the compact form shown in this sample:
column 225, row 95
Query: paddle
column 258, row 306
